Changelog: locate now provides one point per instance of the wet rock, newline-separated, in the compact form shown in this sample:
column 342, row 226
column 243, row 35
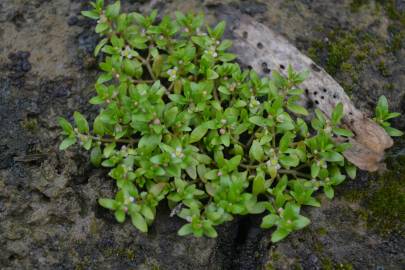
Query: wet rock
column 252, row 7
column 72, row 20
column 17, row 68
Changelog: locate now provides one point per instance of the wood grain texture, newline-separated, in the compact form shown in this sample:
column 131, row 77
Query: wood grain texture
column 264, row 50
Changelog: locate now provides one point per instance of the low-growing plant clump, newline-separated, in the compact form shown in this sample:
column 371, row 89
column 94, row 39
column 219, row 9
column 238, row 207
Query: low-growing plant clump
column 180, row 120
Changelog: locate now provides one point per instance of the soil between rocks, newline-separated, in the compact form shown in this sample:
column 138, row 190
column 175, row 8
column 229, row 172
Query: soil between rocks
column 49, row 217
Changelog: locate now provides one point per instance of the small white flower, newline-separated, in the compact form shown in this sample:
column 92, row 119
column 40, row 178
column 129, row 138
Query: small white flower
column 280, row 118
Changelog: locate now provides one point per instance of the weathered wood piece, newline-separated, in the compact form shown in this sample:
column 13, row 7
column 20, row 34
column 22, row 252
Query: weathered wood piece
column 264, row 50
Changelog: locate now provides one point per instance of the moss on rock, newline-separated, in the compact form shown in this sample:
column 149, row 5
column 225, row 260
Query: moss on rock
column 383, row 200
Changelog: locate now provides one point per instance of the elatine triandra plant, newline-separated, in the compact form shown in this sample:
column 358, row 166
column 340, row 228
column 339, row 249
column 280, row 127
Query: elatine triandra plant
column 180, row 120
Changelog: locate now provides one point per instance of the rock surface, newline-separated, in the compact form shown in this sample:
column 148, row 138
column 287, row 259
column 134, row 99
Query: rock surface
column 49, row 217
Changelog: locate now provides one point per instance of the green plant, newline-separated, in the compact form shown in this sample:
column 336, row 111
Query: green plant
column 382, row 115
column 179, row 120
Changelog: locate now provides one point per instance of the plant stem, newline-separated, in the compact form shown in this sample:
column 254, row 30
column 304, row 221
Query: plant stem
column 248, row 166
column 142, row 81
column 109, row 140
column 280, row 171
column 147, row 64
column 215, row 94
column 294, row 172
column 249, row 143
column 150, row 69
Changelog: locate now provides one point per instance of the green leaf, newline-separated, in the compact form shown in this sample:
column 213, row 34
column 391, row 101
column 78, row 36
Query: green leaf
column 351, row 171
column 297, row 109
column 320, row 116
column 329, row 191
column 393, row 132
column 147, row 212
column 210, row 231
column 256, row 151
column 219, row 30
column 269, row 221
column 342, row 132
column 186, row 229
column 285, row 141
column 149, row 141
column 101, row 27
column 92, row 14
column 289, row 161
column 279, row 234
column 109, row 149
column 67, row 142
column 108, row 203
column 392, row 115
column 100, row 3
column 96, row 100
column 120, row 215
column 112, row 11
column 65, row 125
column 87, row 142
column 332, row 156
column 99, row 46
column 226, row 139
column 225, row 44
column 258, row 121
column 301, row 222
column 81, row 122
column 382, row 106
column 132, row 68
column 98, row 126
column 139, row 222
column 314, row 170
column 337, row 114
column 96, row 156
column 211, row 75
column 105, row 77
column 226, row 57
column 259, row 185
column 198, row 133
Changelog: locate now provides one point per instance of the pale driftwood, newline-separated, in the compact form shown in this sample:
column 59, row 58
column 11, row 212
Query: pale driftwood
column 264, row 50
